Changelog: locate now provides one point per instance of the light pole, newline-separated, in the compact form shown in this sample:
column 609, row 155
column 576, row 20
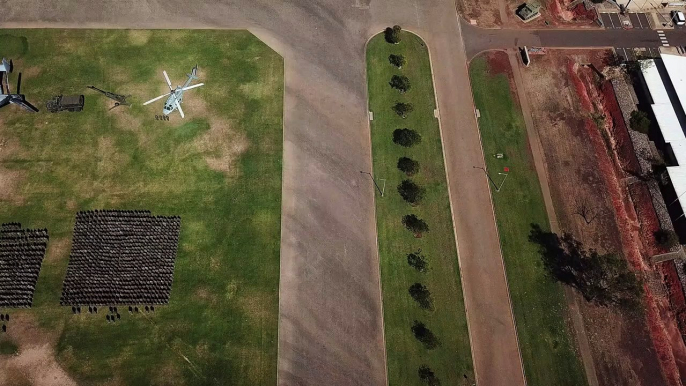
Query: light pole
column 375, row 184
column 496, row 186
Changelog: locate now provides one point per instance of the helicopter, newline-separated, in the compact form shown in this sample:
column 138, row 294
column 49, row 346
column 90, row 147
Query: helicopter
column 17, row 98
column 175, row 95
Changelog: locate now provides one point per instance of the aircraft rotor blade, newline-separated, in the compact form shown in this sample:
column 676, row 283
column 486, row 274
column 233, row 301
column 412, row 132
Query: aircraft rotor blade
column 19, row 84
column 178, row 106
column 193, row 86
column 155, row 99
column 166, row 77
column 24, row 104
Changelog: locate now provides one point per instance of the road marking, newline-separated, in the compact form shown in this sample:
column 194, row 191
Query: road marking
column 639, row 20
column 611, row 22
column 665, row 44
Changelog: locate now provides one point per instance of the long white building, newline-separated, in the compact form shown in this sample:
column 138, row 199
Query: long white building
column 665, row 79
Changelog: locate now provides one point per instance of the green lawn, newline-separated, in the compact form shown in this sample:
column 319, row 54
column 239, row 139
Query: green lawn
column 539, row 304
column 219, row 169
column 452, row 359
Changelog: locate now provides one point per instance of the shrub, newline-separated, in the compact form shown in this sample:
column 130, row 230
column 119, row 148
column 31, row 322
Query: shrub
column 408, row 166
column 666, row 238
column 406, row 137
column 427, row 376
column 421, row 295
column 400, row 83
column 397, row 60
column 639, row 121
column 392, row 34
column 415, row 225
column 402, row 109
column 417, row 261
column 424, row 335
column 411, row 192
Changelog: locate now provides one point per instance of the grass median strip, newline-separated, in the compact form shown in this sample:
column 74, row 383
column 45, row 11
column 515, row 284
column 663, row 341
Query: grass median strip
column 424, row 314
column 539, row 305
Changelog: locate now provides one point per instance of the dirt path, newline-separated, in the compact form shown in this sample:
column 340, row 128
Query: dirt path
column 539, row 162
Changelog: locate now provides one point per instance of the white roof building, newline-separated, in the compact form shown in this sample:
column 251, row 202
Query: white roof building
column 667, row 87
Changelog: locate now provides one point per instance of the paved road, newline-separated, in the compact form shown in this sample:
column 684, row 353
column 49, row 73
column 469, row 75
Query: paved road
column 482, row 39
column 330, row 330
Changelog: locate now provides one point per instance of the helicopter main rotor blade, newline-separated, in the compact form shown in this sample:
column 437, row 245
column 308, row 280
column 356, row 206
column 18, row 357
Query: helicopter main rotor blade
column 167, row 79
column 178, row 106
column 155, row 99
column 24, row 104
column 193, row 86
column 19, row 84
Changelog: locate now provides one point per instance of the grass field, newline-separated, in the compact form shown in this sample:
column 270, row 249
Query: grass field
column 219, row 169
column 452, row 359
column 539, row 306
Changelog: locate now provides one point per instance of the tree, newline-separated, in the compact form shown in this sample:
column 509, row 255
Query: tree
column 415, row 225
column 424, row 335
column 666, row 238
column 417, row 261
column 427, row 376
column 602, row 279
column 421, row 295
column 397, row 60
column 406, row 137
column 408, row 166
column 400, row 83
column 411, row 192
column 392, row 34
column 639, row 121
column 403, row 109
column 586, row 211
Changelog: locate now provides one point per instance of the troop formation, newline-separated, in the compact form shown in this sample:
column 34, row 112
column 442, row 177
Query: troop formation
column 121, row 257
column 21, row 256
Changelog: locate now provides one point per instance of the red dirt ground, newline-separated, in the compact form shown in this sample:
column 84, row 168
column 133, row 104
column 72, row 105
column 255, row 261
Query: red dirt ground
column 662, row 323
column 587, row 152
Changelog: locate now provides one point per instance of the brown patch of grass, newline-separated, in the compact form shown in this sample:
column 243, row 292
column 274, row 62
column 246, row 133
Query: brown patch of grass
column 36, row 358
column 110, row 160
column 10, row 180
column 204, row 294
column 139, row 37
column 168, row 374
column 215, row 264
column 257, row 304
column 30, row 72
column 221, row 146
column 58, row 249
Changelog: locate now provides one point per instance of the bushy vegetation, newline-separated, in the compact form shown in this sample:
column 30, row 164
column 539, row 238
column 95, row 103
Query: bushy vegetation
column 604, row 279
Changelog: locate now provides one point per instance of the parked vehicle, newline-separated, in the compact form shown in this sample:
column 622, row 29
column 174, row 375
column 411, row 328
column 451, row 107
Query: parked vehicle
column 65, row 102
column 678, row 18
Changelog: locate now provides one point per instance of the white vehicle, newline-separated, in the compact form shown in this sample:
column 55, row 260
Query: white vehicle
column 678, row 18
